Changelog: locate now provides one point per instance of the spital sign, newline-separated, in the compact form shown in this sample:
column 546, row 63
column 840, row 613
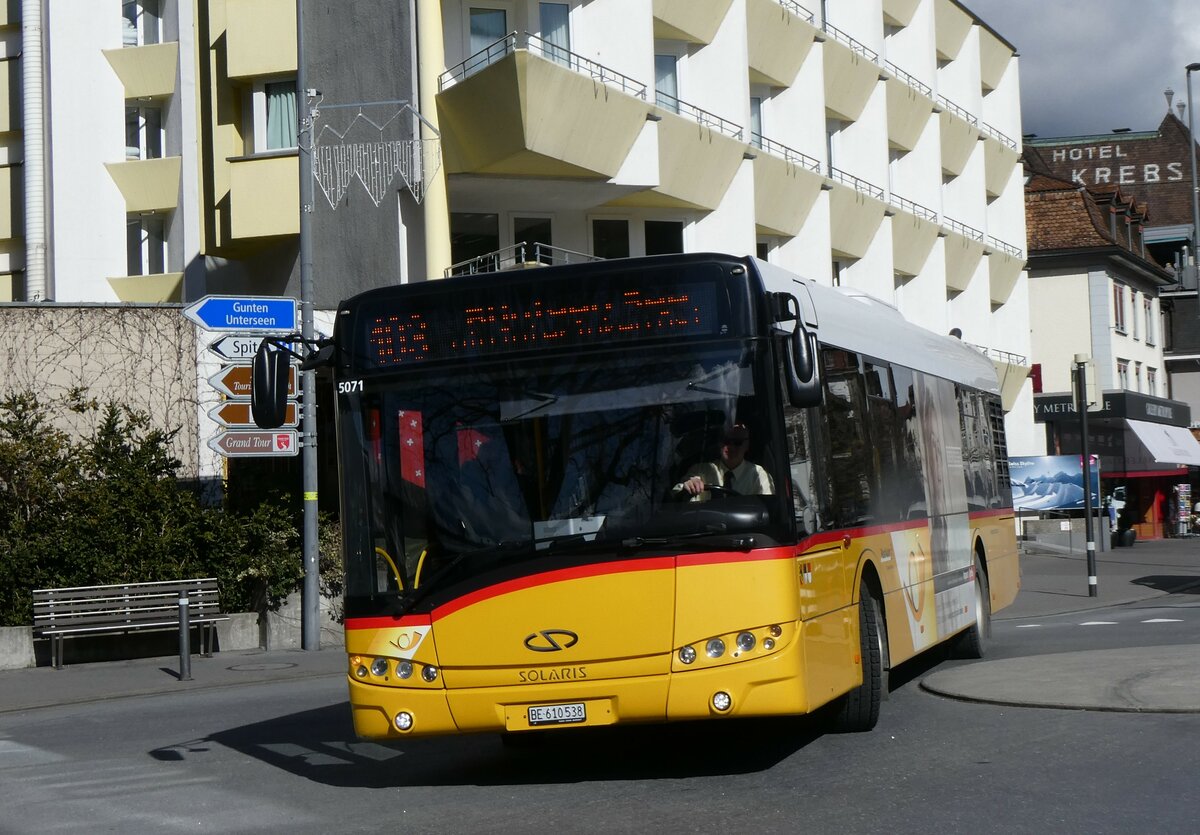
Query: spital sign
column 234, row 381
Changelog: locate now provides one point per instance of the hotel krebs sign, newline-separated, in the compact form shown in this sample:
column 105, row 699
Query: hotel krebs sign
column 1109, row 164
column 1047, row 409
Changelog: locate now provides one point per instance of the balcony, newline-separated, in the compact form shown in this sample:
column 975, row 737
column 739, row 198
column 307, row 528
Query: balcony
column 10, row 81
column 11, row 203
column 959, row 132
column 779, row 36
column 148, row 185
column 900, row 12
column 914, row 232
column 951, row 27
column 909, row 106
column 786, row 185
column 994, row 57
column 1000, row 156
column 520, row 256
column 264, row 195
column 856, row 209
column 148, row 289
column 693, row 21
column 260, row 37
column 523, row 107
column 1005, row 263
column 699, row 154
column 147, row 72
column 851, row 73
column 964, row 249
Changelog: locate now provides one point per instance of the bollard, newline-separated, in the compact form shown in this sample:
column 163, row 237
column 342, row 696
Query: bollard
column 185, row 641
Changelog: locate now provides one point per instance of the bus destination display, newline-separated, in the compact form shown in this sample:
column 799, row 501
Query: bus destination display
column 437, row 327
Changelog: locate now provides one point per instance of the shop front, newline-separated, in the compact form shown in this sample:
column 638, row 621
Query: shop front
column 1149, row 458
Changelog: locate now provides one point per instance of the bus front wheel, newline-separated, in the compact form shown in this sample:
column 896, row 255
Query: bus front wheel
column 858, row 710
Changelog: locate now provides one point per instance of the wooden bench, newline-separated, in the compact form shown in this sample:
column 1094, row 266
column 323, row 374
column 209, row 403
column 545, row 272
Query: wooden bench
column 128, row 607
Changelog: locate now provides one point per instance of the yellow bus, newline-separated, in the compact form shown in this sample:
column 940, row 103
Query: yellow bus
column 646, row 490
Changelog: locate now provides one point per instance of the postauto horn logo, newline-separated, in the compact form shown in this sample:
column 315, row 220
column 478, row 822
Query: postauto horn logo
column 551, row 640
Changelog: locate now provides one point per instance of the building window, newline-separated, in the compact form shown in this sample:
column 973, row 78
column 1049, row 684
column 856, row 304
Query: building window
column 666, row 81
column 141, row 21
column 832, row 128
column 1152, row 381
column 664, row 237
column 1137, row 376
column 1123, row 374
column 554, row 19
column 474, row 235
column 145, row 245
column 143, row 133
column 1133, row 307
column 273, row 113
column 610, row 237
column 533, row 231
column 756, row 128
column 1148, row 312
column 1119, row 307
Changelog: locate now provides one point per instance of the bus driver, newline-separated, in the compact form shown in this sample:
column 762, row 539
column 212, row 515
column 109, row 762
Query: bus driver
column 733, row 472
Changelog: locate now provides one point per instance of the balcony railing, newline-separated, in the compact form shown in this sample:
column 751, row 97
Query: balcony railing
column 513, row 41
column 997, row 354
column 518, row 256
column 858, row 184
column 855, row 46
column 798, row 10
column 964, row 230
column 790, row 154
column 1004, row 247
column 913, row 208
column 703, row 117
column 911, row 80
column 961, row 113
column 1003, row 138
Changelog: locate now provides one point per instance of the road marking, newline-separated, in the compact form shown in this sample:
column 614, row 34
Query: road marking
column 1029, row 626
column 1163, row 620
column 1099, row 623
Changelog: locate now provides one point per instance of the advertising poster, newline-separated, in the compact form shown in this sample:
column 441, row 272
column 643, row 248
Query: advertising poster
column 1051, row 482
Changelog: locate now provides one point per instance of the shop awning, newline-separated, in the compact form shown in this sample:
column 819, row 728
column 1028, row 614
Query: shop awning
column 1167, row 444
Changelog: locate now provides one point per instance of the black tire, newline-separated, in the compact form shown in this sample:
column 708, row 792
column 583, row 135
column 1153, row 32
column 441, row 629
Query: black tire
column 972, row 643
column 858, row 710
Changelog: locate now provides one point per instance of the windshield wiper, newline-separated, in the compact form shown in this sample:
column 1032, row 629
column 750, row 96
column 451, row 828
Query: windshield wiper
column 407, row 604
column 682, row 540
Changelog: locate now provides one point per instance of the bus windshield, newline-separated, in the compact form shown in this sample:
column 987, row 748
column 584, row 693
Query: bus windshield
column 515, row 463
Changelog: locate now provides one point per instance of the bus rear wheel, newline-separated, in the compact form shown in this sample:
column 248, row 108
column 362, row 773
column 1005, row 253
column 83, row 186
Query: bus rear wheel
column 972, row 643
column 858, row 710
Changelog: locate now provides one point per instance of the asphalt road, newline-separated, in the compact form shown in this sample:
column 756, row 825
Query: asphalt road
column 281, row 757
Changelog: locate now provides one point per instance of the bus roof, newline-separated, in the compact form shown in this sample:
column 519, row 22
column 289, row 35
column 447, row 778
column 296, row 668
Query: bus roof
column 859, row 322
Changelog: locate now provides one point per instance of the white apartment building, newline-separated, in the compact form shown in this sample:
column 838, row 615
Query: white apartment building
column 865, row 143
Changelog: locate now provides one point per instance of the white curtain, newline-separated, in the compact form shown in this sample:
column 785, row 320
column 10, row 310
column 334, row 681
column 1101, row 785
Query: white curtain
column 281, row 115
column 665, row 82
column 555, row 31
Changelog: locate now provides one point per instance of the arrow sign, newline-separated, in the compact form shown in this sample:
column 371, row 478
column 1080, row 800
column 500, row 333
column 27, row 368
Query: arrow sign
column 236, row 347
column 233, row 314
column 236, row 413
column 234, row 381
column 235, row 444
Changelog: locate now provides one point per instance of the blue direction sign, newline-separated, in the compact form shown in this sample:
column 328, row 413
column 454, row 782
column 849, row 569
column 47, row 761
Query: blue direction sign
column 238, row 314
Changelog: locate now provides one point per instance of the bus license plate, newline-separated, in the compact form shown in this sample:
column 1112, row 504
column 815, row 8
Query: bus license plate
column 557, row 714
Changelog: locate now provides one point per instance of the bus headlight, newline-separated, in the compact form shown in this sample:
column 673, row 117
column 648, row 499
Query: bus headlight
column 404, row 669
column 361, row 671
column 721, row 701
column 403, row 721
column 379, row 667
column 715, row 648
column 746, row 641
column 687, row 655
column 430, row 674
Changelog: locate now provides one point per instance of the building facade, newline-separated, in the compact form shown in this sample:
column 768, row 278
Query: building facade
column 872, row 144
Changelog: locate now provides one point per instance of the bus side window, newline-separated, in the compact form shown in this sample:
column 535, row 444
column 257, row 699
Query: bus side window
column 910, row 483
column 852, row 473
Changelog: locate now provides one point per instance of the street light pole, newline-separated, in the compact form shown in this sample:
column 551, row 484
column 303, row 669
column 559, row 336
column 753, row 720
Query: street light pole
column 310, row 605
column 1192, row 156
column 1081, row 404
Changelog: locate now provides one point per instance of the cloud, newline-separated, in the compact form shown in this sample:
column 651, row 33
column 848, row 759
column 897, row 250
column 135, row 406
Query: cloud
column 1090, row 67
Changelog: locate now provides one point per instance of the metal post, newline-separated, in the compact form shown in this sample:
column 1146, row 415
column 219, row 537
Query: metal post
column 185, row 639
column 310, row 635
column 1081, row 403
column 1192, row 157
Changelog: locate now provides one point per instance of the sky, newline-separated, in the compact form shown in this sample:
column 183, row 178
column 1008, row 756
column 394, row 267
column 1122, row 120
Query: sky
column 1089, row 66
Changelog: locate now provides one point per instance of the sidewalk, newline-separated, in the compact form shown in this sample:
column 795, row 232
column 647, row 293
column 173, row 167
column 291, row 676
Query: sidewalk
column 1154, row 678
column 1158, row 679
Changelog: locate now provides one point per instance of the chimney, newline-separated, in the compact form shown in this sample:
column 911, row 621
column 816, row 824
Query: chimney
column 1182, row 106
column 1170, row 94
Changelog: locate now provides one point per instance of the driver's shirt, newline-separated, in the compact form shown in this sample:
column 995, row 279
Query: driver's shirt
column 749, row 479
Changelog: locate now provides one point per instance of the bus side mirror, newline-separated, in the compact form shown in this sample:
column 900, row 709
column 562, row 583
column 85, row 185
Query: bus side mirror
column 269, row 386
column 800, row 353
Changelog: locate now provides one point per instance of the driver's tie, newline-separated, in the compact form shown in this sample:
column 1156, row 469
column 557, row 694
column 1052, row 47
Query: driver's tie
column 729, row 479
